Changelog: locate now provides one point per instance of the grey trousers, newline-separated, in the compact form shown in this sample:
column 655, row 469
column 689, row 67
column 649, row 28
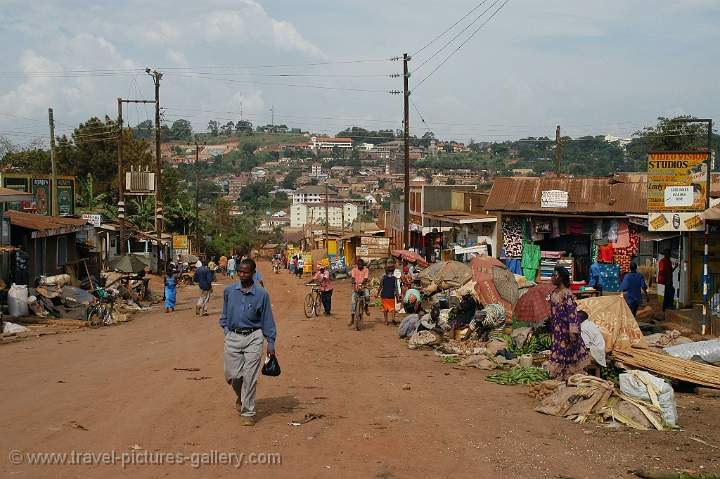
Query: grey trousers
column 243, row 362
column 203, row 300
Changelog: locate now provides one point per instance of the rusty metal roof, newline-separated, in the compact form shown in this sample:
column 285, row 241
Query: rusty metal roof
column 10, row 195
column 42, row 223
column 600, row 196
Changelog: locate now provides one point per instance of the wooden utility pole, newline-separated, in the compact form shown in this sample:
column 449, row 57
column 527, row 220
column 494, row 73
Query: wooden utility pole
column 121, row 179
column 327, row 217
column 406, row 128
column 53, row 178
column 272, row 120
column 197, row 195
column 558, row 151
column 157, row 76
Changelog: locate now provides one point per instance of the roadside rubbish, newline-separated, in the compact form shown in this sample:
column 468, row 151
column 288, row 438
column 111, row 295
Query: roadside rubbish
column 18, row 300
column 708, row 351
column 646, row 387
column 13, row 328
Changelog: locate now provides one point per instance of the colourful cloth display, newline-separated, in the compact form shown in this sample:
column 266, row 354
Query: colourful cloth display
column 605, row 253
column 512, row 238
column 530, row 260
column 514, row 265
column 610, row 277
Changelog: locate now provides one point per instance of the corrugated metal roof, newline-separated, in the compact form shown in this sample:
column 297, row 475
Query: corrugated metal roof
column 585, row 195
column 42, row 223
column 8, row 194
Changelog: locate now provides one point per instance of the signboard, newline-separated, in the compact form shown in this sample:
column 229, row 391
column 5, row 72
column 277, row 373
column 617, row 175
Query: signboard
column 65, row 197
column 676, row 183
column 554, row 199
column 179, row 242
column 92, row 218
column 362, row 251
column 680, row 221
column 18, row 184
column 41, row 188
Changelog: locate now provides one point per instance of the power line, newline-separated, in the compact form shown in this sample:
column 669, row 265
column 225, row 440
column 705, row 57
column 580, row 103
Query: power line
column 437, row 52
column 317, row 87
column 462, row 44
column 451, row 27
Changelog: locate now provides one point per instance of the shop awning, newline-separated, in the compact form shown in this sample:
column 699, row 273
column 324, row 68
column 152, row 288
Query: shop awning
column 657, row 235
column 8, row 195
column 460, row 217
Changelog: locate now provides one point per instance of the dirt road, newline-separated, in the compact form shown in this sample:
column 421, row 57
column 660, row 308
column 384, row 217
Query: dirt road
column 118, row 389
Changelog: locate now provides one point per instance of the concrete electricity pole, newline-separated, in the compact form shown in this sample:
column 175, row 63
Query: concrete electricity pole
column 53, row 178
column 121, row 180
column 558, row 151
column 406, row 134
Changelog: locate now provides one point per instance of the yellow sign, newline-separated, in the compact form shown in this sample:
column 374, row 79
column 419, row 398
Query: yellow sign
column 180, row 241
column 676, row 182
column 682, row 221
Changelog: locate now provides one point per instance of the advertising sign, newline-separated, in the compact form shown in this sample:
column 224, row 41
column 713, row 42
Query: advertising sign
column 41, row 188
column 554, row 199
column 676, row 182
column 179, row 242
column 65, row 197
column 680, row 221
column 18, row 184
column 92, row 218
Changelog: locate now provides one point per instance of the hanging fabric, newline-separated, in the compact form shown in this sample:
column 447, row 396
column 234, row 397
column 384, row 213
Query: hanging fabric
column 530, row 260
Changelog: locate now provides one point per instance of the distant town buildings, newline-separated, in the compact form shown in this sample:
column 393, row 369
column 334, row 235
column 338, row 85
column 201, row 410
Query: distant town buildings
column 337, row 214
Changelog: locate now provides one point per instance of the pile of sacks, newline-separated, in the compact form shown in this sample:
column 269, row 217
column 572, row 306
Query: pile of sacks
column 643, row 401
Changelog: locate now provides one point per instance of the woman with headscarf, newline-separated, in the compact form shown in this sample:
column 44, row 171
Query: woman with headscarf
column 568, row 354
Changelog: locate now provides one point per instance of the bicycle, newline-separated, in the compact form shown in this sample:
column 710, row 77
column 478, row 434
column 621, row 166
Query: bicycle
column 312, row 301
column 101, row 313
column 359, row 311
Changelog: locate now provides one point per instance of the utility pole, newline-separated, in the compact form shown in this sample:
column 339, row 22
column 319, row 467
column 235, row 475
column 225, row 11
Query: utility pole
column 157, row 76
column 53, row 178
column 558, row 151
column 272, row 120
column 121, row 174
column 121, row 179
column 327, row 220
column 406, row 128
column 197, row 195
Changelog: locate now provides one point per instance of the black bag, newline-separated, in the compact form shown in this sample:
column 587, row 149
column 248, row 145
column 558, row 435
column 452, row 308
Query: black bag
column 271, row 367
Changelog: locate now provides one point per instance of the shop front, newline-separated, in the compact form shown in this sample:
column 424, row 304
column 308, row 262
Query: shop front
column 570, row 222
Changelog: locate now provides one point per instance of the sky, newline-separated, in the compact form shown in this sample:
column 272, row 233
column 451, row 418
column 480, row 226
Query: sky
column 607, row 67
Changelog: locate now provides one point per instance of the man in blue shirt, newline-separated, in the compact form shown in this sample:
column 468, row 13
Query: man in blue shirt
column 632, row 285
column 246, row 318
column 204, row 278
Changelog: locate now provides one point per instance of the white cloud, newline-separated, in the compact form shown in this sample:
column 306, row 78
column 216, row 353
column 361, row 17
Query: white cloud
column 250, row 22
column 251, row 102
column 177, row 58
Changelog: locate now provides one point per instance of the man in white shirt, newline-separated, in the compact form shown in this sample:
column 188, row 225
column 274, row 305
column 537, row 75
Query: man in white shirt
column 593, row 338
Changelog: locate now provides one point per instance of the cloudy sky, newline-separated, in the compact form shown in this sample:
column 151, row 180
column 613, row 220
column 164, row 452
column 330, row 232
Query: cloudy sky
column 606, row 67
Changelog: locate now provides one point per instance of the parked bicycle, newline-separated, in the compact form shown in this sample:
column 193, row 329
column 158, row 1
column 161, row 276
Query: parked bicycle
column 101, row 312
column 312, row 301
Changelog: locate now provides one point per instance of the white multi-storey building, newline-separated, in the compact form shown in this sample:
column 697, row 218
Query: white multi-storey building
column 313, row 194
column 302, row 214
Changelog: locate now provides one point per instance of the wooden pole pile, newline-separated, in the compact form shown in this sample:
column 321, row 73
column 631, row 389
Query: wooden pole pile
column 668, row 366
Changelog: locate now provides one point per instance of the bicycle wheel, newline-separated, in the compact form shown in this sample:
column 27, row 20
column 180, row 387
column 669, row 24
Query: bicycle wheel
column 95, row 316
column 318, row 304
column 309, row 305
column 359, row 311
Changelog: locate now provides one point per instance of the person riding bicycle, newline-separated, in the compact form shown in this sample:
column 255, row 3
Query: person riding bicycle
column 360, row 277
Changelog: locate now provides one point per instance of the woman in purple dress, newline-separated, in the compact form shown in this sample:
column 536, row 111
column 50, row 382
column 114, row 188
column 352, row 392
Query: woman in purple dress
column 568, row 354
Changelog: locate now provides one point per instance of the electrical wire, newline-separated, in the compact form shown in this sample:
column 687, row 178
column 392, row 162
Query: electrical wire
column 450, row 28
column 250, row 82
column 439, row 50
column 461, row 45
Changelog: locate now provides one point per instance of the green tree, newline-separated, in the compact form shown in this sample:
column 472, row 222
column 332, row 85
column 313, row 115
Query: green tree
column 213, row 127
column 141, row 213
column 181, row 129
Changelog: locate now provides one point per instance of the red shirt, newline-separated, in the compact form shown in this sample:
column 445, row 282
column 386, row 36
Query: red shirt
column 665, row 271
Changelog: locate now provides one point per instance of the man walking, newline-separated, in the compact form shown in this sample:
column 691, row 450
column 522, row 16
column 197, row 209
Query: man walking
column 203, row 277
column 632, row 285
column 665, row 277
column 246, row 318
column 389, row 292
column 322, row 277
